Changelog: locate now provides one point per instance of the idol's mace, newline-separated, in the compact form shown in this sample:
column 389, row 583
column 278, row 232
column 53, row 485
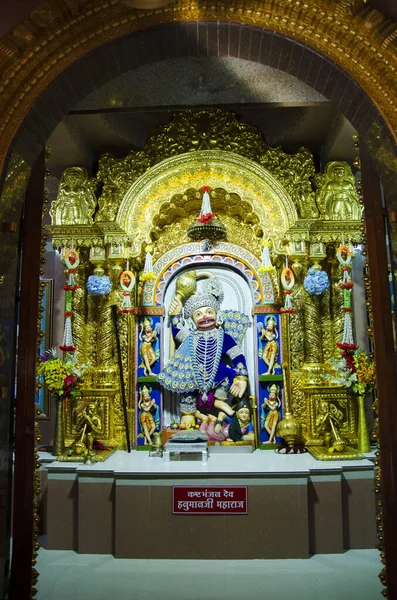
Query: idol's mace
column 122, row 386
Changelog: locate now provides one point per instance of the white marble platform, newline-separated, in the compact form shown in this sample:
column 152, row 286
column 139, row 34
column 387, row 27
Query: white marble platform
column 259, row 463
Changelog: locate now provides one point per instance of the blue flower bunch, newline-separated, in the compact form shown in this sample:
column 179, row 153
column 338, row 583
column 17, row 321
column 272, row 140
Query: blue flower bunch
column 98, row 286
column 316, row 282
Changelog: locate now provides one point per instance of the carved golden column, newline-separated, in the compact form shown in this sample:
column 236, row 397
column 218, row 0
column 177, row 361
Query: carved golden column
column 79, row 299
column 289, row 427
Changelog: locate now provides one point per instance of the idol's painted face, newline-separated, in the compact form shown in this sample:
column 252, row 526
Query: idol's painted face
column 205, row 317
column 244, row 414
column 270, row 325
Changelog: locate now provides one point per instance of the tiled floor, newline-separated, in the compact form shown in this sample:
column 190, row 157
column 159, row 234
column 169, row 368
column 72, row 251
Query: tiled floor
column 350, row 576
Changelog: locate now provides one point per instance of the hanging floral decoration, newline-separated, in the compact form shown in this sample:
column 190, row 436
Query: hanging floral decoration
column 288, row 282
column 316, row 282
column 72, row 261
column 98, row 285
column 206, row 214
column 127, row 283
column 148, row 274
column 355, row 371
column 64, row 378
column 344, row 256
column 266, row 266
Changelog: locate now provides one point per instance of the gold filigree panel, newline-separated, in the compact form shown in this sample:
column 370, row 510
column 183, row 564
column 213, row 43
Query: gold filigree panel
column 251, row 182
column 55, row 35
column 104, row 400
column 342, row 400
column 240, row 233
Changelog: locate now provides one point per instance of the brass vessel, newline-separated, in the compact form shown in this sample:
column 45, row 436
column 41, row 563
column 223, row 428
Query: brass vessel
column 290, row 430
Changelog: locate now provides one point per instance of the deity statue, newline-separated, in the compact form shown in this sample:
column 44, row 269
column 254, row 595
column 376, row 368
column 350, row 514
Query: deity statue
column 268, row 335
column 148, row 338
column 338, row 194
column 76, row 201
column 234, row 429
column 329, row 421
column 208, row 365
column 270, row 415
column 148, row 409
column 88, row 424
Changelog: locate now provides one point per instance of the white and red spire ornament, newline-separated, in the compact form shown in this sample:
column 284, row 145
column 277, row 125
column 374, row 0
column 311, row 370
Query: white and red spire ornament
column 206, row 214
column 207, row 226
column 266, row 266
column 148, row 274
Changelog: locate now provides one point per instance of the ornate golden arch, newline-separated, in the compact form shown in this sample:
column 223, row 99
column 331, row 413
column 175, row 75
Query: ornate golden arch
column 271, row 203
column 55, row 35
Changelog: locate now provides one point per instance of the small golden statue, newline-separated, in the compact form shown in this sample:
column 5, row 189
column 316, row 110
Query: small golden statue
column 328, row 424
column 76, row 201
column 147, row 407
column 89, row 423
column 338, row 195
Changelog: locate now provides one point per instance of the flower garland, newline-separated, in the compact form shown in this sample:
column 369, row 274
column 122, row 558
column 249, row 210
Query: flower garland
column 127, row 283
column 288, row 282
column 355, row 371
column 63, row 377
column 316, row 282
column 72, row 261
column 365, row 372
column 344, row 256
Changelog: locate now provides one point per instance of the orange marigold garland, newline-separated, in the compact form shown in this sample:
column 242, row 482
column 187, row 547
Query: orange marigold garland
column 365, row 371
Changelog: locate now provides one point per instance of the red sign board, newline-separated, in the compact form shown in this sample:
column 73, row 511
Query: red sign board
column 211, row 500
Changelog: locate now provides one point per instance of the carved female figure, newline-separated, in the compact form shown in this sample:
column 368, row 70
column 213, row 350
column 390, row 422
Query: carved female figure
column 271, row 413
column 269, row 337
column 234, row 429
column 148, row 338
column 147, row 407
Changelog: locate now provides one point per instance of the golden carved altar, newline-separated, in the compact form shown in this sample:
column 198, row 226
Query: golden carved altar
column 146, row 202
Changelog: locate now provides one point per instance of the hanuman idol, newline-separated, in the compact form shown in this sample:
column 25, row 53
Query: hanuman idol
column 208, row 368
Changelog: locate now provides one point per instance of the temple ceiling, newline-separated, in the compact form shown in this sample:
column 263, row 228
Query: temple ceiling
column 121, row 114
